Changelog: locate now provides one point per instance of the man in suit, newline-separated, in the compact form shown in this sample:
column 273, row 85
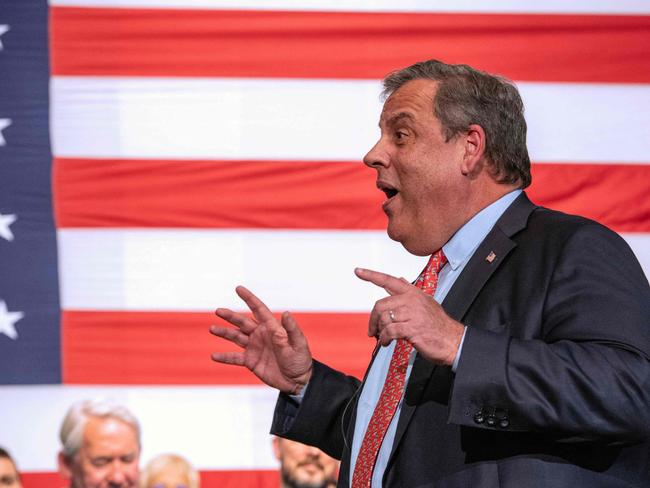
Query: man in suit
column 533, row 372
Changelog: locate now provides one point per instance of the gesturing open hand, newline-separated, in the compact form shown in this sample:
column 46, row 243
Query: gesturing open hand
column 276, row 352
column 409, row 313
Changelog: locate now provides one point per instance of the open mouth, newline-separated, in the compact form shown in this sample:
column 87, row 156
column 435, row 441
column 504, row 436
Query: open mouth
column 389, row 190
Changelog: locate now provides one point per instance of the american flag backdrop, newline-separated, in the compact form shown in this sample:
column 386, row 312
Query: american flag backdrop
column 156, row 153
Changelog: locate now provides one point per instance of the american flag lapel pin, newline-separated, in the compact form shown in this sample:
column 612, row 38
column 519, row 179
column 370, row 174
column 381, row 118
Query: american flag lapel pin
column 491, row 257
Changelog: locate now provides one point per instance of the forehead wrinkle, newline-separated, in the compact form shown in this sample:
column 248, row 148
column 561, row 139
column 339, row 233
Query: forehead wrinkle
column 394, row 119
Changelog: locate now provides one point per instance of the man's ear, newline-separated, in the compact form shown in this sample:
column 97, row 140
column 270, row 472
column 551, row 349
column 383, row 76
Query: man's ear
column 474, row 147
column 65, row 466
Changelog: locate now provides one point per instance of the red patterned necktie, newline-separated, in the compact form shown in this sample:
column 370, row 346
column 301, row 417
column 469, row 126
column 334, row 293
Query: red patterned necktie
column 393, row 386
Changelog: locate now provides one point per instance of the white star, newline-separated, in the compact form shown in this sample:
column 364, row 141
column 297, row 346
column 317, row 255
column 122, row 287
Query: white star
column 3, row 28
column 7, row 321
column 5, row 222
column 4, row 123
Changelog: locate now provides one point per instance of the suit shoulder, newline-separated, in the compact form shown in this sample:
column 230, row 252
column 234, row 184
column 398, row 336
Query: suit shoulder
column 558, row 224
column 577, row 238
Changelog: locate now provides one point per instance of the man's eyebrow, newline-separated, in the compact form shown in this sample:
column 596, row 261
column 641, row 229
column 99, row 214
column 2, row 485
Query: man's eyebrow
column 101, row 458
column 394, row 119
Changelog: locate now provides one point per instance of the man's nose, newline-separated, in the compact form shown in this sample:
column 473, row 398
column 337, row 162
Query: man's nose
column 377, row 156
column 313, row 452
column 117, row 475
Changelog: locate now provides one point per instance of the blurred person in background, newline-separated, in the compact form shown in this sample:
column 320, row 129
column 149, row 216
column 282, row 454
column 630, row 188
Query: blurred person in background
column 303, row 466
column 169, row 471
column 9, row 477
column 100, row 446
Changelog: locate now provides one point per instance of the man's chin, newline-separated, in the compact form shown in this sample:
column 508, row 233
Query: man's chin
column 393, row 231
column 405, row 242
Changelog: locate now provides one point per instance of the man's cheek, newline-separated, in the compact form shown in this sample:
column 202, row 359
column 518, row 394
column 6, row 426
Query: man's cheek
column 95, row 477
column 134, row 475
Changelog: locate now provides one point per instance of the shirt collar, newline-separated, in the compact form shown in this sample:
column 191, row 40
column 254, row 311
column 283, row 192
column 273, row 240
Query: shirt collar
column 466, row 239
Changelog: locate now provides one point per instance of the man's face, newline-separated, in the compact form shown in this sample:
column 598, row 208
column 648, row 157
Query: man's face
column 108, row 457
column 418, row 170
column 8, row 474
column 304, row 466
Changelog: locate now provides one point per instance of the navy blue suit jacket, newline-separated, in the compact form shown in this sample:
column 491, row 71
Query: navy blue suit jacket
column 553, row 385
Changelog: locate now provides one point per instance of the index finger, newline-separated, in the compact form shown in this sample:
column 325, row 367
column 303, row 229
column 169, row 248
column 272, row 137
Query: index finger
column 389, row 283
column 257, row 306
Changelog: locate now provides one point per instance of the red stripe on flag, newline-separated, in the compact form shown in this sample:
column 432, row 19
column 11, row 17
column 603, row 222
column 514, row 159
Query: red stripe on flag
column 614, row 195
column 203, row 194
column 209, row 479
column 240, row 479
column 42, row 479
column 149, row 42
column 174, row 347
column 304, row 195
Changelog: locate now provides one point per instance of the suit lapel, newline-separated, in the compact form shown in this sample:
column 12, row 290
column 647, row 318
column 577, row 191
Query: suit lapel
column 485, row 261
column 488, row 257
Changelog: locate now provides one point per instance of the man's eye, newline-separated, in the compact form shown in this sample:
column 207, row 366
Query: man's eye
column 400, row 135
column 99, row 462
column 128, row 459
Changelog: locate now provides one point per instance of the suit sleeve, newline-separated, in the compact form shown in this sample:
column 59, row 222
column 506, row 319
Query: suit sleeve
column 322, row 417
column 587, row 374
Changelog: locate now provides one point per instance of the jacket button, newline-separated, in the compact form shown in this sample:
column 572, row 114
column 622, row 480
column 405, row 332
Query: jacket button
column 479, row 418
column 491, row 420
column 504, row 422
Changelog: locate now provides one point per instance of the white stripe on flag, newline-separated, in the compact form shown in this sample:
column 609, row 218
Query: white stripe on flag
column 132, row 269
column 318, row 120
column 187, row 270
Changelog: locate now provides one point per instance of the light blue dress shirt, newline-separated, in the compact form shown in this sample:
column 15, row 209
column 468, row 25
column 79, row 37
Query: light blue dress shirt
column 459, row 249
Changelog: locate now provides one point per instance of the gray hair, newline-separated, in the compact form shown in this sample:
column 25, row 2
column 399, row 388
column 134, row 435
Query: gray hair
column 468, row 96
column 72, row 428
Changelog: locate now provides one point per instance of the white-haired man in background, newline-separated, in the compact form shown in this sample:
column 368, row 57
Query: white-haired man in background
column 100, row 446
